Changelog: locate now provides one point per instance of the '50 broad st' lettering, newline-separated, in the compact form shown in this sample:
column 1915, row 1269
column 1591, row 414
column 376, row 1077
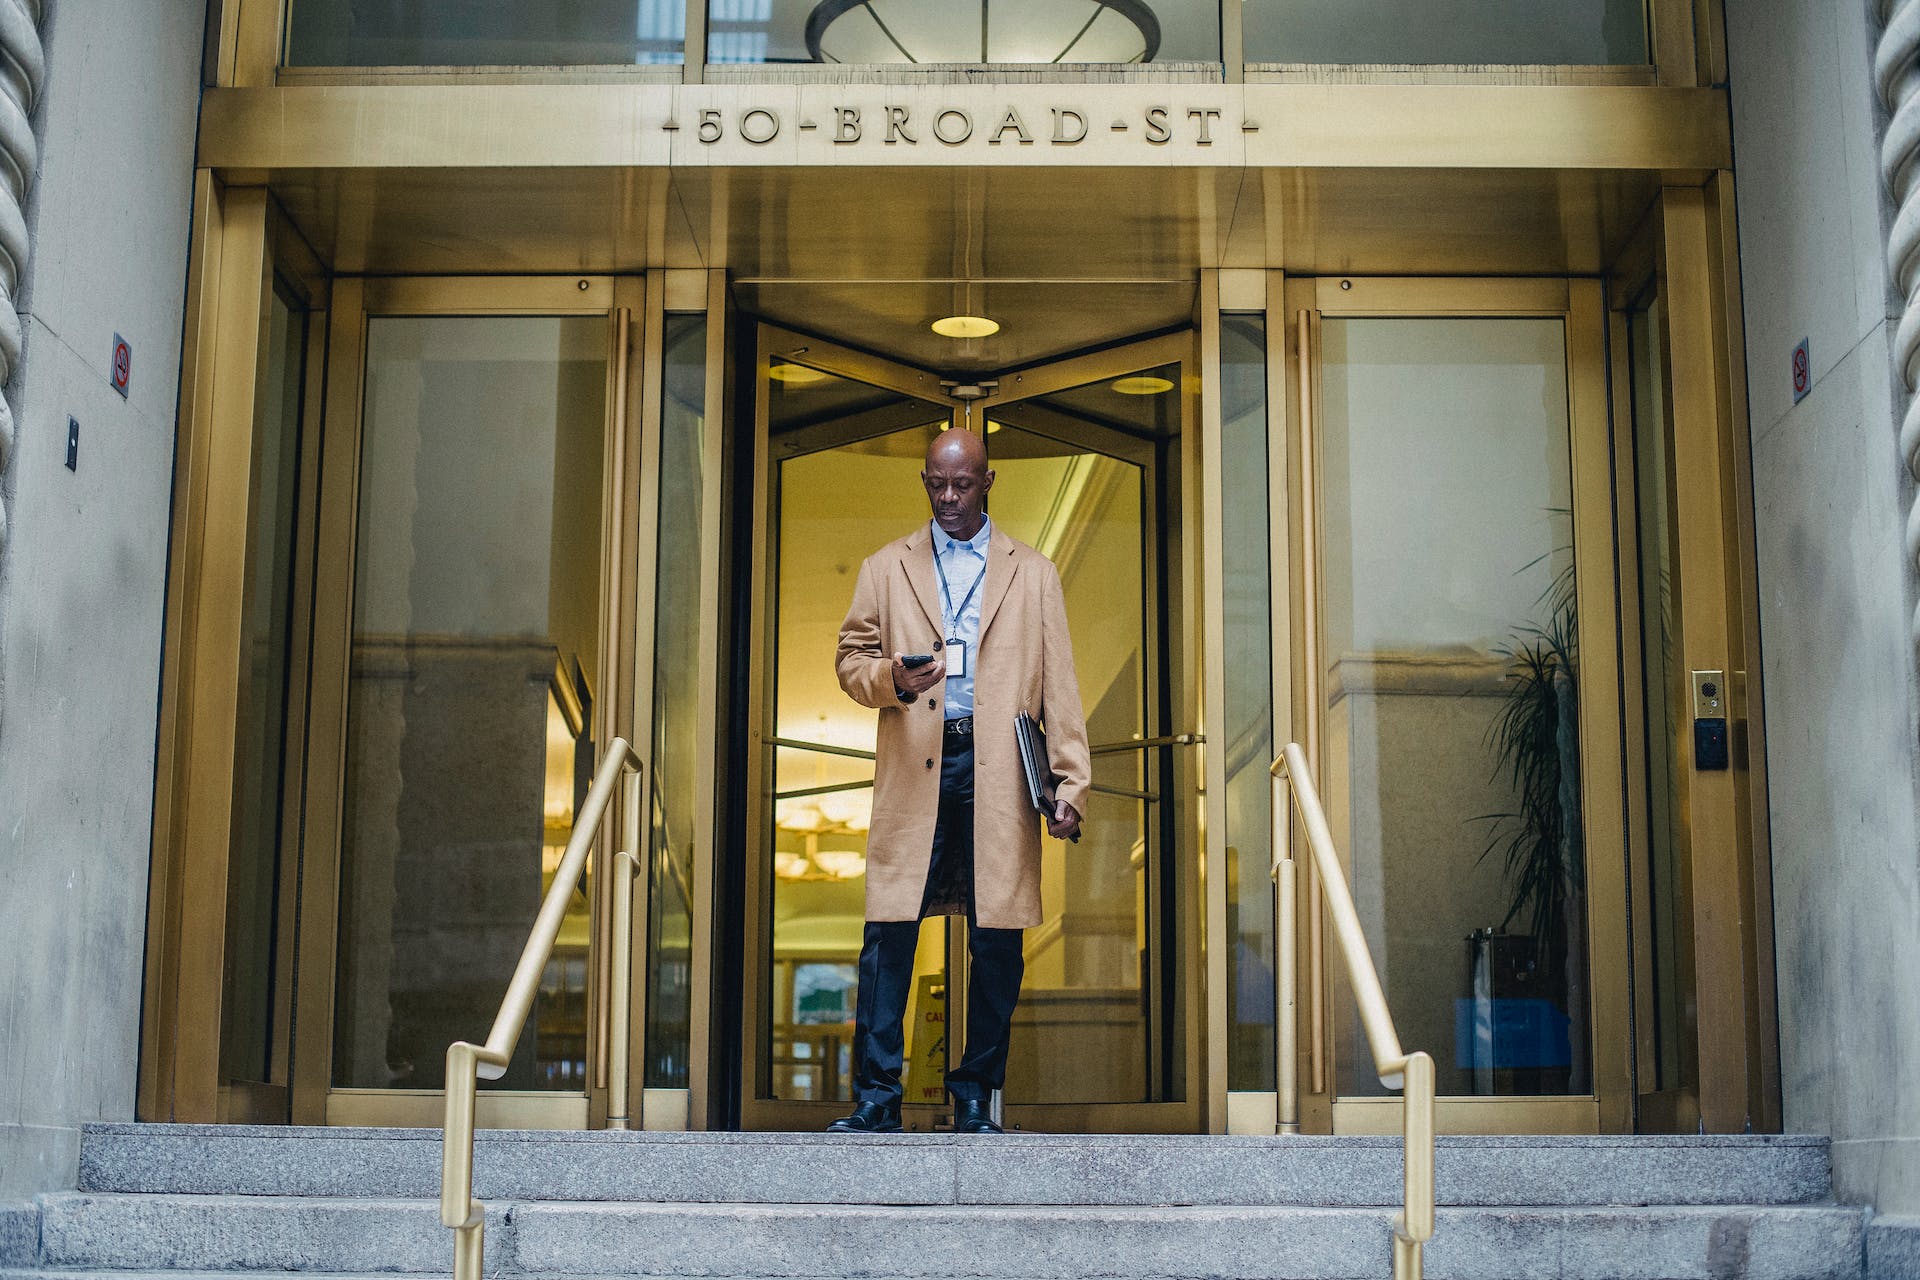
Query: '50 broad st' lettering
column 953, row 127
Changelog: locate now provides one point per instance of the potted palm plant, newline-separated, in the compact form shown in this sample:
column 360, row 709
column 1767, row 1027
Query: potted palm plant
column 1535, row 742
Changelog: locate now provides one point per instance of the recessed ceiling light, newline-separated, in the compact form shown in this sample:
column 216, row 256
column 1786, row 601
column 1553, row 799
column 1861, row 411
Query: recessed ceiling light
column 1141, row 384
column 966, row 327
column 798, row 374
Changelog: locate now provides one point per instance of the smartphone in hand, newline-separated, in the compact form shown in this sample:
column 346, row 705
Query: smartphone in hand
column 912, row 661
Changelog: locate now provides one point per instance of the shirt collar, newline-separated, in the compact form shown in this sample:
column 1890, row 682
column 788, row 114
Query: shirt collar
column 977, row 543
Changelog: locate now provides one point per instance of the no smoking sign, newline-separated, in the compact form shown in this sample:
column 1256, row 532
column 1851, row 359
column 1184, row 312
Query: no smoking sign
column 1802, row 370
column 122, row 365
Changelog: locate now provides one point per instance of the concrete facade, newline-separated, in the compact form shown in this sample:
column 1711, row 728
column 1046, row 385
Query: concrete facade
column 83, row 576
column 1831, row 494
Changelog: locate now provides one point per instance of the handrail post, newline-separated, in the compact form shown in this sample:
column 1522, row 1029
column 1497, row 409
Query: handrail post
column 621, row 992
column 1417, row 1218
column 1286, row 1030
column 625, row 864
column 457, row 1207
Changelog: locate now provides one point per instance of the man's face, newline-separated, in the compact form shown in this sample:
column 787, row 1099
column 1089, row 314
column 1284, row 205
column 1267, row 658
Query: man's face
column 957, row 483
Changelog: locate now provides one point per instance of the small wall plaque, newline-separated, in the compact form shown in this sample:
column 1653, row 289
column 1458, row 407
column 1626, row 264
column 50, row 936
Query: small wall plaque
column 122, row 365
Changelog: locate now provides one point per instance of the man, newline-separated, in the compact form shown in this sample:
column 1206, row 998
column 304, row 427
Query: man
column 954, row 831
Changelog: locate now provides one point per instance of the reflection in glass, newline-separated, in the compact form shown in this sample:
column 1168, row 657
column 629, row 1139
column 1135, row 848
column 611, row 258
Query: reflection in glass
column 476, row 622
column 1664, row 685
column 1082, row 1031
column 249, row 1007
column 1451, row 749
column 462, row 33
column 963, row 31
column 1469, row 33
column 676, row 701
column 832, row 437
column 1249, row 736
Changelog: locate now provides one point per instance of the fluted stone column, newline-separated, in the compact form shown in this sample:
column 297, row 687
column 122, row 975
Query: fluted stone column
column 23, row 68
column 1896, row 70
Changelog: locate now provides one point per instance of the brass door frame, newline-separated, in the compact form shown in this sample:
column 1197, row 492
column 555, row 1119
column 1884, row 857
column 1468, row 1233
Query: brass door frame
column 1581, row 306
column 1724, row 962
column 241, row 245
column 1263, row 293
column 758, row 1109
column 356, row 301
column 671, row 292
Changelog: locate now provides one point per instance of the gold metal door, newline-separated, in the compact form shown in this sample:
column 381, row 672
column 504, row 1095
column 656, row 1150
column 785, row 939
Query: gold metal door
column 1088, row 455
column 468, row 656
column 1457, row 671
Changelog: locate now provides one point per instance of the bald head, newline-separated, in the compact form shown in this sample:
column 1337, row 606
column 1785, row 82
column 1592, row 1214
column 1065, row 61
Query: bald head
column 961, row 448
column 957, row 480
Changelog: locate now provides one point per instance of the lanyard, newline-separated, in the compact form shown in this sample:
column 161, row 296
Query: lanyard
column 946, row 593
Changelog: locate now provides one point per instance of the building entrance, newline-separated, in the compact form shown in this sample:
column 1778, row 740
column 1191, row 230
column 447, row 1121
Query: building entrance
column 1399, row 521
column 1088, row 454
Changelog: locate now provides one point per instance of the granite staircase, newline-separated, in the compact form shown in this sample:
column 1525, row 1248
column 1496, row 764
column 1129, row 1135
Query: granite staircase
column 192, row 1201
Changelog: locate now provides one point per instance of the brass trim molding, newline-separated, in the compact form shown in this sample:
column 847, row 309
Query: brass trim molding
column 537, row 126
column 426, row 1108
column 1380, row 1117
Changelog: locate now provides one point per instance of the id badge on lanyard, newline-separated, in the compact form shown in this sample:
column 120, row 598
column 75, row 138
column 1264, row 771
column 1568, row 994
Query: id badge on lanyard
column 956, row 648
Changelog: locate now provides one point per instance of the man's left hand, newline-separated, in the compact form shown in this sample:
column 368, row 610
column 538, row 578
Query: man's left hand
column 1065, row 822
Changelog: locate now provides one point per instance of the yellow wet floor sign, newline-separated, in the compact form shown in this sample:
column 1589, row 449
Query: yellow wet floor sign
column 927, row 1041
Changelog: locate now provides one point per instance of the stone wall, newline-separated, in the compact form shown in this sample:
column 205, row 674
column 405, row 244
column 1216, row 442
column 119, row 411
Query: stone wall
column 1836, row 591
column 83, row 574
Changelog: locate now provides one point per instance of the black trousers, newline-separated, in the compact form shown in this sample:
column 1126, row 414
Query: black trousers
column 886, row 964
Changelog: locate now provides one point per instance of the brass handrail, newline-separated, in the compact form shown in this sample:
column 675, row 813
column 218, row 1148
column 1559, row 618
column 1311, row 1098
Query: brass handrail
column 1412, row 1073
column 467, row 1063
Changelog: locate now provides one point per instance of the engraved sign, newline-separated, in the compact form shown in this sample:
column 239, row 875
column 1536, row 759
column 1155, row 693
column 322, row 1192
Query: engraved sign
column 945, row 127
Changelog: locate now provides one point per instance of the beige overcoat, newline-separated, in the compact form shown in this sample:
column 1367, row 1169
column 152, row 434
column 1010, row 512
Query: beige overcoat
column 1023, row 661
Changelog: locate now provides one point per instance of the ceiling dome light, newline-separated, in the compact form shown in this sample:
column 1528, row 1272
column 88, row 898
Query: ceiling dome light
column 1029, row 31
column 966, row 327
column 841, row 864
column 1141, row 384
column 797, row 374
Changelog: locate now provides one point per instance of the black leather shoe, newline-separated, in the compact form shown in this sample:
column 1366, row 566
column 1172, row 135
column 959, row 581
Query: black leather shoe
column 868, row 1117
column 971, row 1115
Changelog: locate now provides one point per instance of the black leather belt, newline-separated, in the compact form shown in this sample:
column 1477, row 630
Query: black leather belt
column 960, row 727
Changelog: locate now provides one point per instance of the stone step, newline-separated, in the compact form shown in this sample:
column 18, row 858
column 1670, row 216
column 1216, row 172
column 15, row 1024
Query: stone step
column 172, row 1234
column 1017, row 1169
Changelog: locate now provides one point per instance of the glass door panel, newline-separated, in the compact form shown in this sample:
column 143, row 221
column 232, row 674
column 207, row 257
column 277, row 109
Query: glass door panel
column 1084, row 467
column 830, row 438
column 1083, row 474
column 1248, row 702
column 1451, row 693
column 674, row 780
column 1082, row 1031
column 1666, row 1065
column 475, row 633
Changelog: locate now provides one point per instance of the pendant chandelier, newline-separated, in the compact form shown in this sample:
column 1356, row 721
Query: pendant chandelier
column 982, row 31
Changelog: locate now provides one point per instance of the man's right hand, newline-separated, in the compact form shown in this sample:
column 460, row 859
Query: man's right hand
column 917, row 680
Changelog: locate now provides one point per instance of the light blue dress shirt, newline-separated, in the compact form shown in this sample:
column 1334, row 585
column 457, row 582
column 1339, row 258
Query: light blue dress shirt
column 964, row 561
